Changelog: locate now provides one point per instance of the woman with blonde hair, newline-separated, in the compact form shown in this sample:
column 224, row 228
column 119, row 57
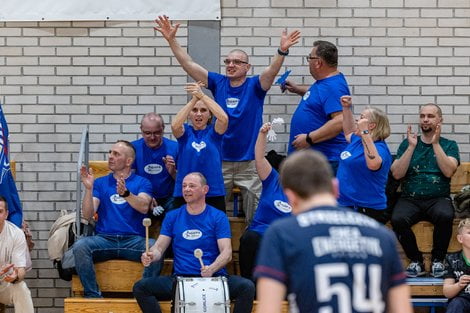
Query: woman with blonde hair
column 365, row 162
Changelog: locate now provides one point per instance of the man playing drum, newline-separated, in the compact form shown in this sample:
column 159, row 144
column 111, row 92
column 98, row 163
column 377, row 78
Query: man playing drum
column 194, row 225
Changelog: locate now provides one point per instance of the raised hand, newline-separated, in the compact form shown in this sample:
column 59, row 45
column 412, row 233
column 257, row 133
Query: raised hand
column 121, row 185
column 437, row 134
column 346, row 101
column 412, row 137
column 265, row 128
column 288, row 40
column 170, row 164
column 87, row 177
column 195, row 89
column 166, row 27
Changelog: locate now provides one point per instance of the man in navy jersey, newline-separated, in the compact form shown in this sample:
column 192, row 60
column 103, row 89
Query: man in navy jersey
column 155, row 160
column 317, row 121
column 121, row 200
column 195, row 225
column 326, row 258
column 242, row 98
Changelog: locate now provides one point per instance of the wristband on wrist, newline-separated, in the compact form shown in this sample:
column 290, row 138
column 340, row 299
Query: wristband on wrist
column 280, row 52
column 125, row 194
column 309, row 140
column 365, row 132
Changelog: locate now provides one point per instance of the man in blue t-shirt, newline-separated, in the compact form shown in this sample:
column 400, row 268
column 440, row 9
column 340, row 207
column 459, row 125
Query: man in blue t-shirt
column 194, row 225
column 242, row 98
column 155, row 160
column 327, row 258
column 121, row 200
column 425, row 165
column 317, row 121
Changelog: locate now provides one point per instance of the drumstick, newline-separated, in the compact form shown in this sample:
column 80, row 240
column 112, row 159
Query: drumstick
column 146, row 222
column 198, row 254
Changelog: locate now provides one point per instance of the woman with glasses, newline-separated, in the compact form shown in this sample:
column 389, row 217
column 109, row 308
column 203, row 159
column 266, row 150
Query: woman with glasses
column 365, row 162
column 199, row 144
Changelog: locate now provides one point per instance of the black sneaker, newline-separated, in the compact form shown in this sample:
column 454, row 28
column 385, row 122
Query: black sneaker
column 437, row 269
column 415, row 269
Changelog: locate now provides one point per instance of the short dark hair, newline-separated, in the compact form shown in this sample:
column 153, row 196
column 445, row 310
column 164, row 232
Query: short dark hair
column 307, row 173
column 327, row 51
column 4, row 200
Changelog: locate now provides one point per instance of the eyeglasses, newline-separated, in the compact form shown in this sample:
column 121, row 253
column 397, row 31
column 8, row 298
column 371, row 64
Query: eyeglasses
column 309, row 57
column 235, row 62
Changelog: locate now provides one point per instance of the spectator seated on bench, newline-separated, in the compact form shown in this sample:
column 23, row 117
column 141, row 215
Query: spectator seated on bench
column 457, row 277
column 121, row 200
column 425, row 164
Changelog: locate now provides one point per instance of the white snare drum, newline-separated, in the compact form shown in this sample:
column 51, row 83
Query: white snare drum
column 201, row 294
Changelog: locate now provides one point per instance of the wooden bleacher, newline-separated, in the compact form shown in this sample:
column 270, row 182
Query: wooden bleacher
column 118, row 276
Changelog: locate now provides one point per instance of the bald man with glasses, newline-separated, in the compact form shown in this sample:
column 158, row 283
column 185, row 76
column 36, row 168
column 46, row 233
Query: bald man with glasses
column 242, row 98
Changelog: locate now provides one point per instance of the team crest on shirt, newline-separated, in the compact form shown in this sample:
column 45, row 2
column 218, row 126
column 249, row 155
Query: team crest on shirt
column 153, row 169
column 306, row 95
column 117, row 199
column 192, row 234
column 282, row 206
column 232, row 103
column 198, row 146
column 344, row 155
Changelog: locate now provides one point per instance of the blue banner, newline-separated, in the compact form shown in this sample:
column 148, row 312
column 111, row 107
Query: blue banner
column 7, row 183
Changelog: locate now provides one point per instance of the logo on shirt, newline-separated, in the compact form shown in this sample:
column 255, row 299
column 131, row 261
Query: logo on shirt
column 282, row 206
column 153, row 169
column 344, row 155
column 198, row 146
column 192, row 234
column 117, row 199
column 306, row 95
column 232, row 103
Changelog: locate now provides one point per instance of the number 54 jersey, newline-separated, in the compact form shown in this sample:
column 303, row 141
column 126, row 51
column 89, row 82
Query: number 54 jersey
column 331, row 260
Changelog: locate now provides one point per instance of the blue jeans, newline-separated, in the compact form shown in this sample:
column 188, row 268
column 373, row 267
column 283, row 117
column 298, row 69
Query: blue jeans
column 99, row 248
column 458, row 305
column 148, row 290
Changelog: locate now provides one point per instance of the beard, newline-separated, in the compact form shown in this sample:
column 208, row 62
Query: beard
column 426, row 129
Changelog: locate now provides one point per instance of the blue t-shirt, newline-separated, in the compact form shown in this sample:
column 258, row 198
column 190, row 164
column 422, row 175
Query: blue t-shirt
column 272, row 204
column 199, row 151
column 331, row 258
column 244, row 107
column 358, row 185
column 115, row 215
column 315, row 109
column 189, row 232
column 149, row 164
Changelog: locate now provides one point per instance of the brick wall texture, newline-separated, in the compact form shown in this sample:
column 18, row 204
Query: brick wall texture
column 57, row 77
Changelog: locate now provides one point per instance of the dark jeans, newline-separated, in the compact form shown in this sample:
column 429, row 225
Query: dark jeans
column 217, row 202
column 148, row 291
column 409, row 211
column 249, row 246
column 381, row 216
column 458, row 305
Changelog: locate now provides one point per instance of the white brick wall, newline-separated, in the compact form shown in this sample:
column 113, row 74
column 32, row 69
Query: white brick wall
column 57, row 76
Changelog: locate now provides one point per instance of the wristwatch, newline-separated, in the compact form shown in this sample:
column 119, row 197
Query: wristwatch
column 125, row 194
column 309, row 140
column 365, row 132
column 280, row 52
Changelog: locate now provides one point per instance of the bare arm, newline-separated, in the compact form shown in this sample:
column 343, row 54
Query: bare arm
column 156, row 251
column 262, row 165
column 398, row 299
column 294, row 88
column 372, row 156
column 221, row 123
column 349, row 126
column 177, row 123
column 166, row 28
column 287, row 40
column 89, row 204
column 448, row 165
column 225, row 255
column 400, row 166
column 329, row 130
column 452, row 288
column 270, row 294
